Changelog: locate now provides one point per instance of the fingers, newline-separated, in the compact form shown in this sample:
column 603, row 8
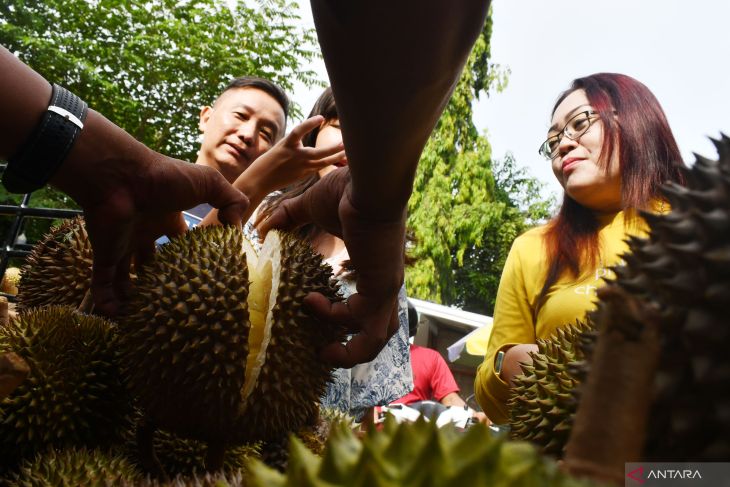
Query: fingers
column 289, row 215
column 333, row 159
column 363, row 347
column 298, row 132
column 218, row 192
column 103, row 278
column 374, row 327
column 313, row 154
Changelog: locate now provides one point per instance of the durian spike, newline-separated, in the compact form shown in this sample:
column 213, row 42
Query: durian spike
column 13, row 371
column 610, row 423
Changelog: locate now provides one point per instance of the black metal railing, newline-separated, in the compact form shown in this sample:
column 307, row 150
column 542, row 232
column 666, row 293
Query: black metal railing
column 10, row 246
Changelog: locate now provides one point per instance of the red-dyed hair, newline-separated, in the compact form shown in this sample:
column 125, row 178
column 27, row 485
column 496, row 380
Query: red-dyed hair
column 635, row 125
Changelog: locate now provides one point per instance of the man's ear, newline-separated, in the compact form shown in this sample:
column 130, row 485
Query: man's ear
column 205, row 114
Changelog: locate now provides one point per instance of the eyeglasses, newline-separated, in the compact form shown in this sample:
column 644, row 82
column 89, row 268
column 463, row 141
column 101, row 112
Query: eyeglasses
column 573, row 129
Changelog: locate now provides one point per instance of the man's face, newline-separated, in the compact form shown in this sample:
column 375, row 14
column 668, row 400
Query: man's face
column 241, row 125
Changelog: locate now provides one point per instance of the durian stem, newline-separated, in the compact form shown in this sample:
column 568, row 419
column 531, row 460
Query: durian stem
column 214, row 457
column 145, row 444
column 13, row 371
column 610, row 423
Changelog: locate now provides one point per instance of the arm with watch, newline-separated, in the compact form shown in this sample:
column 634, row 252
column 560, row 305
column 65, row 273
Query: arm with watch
column 130, row 194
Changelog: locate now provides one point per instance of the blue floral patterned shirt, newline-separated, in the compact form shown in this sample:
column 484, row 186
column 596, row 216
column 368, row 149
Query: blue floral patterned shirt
column 375, row 383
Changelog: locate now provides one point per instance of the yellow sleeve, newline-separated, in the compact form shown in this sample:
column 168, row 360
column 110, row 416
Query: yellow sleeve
column 513, row 324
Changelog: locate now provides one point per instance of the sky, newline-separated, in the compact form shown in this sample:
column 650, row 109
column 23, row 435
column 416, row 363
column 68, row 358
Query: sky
column 679, row 49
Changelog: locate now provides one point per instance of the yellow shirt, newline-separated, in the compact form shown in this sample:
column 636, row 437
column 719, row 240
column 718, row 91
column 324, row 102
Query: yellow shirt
column 516, row 317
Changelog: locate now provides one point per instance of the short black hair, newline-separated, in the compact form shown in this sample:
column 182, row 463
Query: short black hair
column 412, row 319
column 325, row 106
column 264, row 85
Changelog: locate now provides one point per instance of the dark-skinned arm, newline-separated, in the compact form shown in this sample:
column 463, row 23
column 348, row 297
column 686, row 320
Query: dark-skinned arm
column 130, row 194
column 392, row 67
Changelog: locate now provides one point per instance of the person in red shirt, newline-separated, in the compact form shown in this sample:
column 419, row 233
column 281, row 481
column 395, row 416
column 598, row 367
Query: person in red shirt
column 432, row 378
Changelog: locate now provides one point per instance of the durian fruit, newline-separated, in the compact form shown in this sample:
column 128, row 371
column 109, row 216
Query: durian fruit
column 11, row 279
column 544, row 399
column 58, row 269
column 275, row 453
column 73, row 395
column 75, row 467
column 216, row 342
column 678, row 282
column 683, row 270
column 414, row 454
column 183, row 457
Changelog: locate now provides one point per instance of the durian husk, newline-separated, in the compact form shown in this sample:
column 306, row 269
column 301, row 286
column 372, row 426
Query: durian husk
column 184, row 335
column 200, row 479
column 414, row 454
column 223, row 331
column 58, row 269
column 75, row 467
column 544, row 398
column 275, row 453
column 666, row 313
column 183, row 457
column 73, row 394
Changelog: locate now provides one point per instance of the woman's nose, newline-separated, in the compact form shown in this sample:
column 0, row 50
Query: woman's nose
column 565, row 145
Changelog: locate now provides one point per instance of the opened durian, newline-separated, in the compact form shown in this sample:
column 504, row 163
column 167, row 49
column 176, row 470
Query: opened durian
column 11, row 279
column 73, row 395
column 543, row 399
column 58, row 269
column 216, row 342
column 414, row 454
column 75, row 467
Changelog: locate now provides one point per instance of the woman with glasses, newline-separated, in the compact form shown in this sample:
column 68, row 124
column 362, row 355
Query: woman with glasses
column 611, row 148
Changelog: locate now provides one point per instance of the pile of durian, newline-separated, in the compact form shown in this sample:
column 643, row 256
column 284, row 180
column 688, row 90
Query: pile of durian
column 209, row 373
column 211, row 368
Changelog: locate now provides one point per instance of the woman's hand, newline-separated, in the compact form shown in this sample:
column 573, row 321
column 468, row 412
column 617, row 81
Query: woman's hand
column 513, row 357
column 287, row 162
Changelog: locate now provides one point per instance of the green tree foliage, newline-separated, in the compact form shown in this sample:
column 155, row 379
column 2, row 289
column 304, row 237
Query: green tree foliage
column 466, row 209
column 150, row 65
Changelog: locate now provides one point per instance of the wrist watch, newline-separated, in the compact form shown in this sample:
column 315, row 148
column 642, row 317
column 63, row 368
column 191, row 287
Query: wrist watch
column 49, row 144
column 498, row 361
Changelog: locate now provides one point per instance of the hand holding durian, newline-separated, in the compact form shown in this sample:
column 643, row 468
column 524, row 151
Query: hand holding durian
column 130, row 194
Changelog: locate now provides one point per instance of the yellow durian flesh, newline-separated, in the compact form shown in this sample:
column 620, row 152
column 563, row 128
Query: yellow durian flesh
column 264, row 275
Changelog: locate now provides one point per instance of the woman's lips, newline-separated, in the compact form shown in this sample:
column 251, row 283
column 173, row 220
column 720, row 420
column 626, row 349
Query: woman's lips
column 570, row 162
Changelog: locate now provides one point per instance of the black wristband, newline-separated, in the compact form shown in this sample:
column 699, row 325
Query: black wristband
column 49, row 144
